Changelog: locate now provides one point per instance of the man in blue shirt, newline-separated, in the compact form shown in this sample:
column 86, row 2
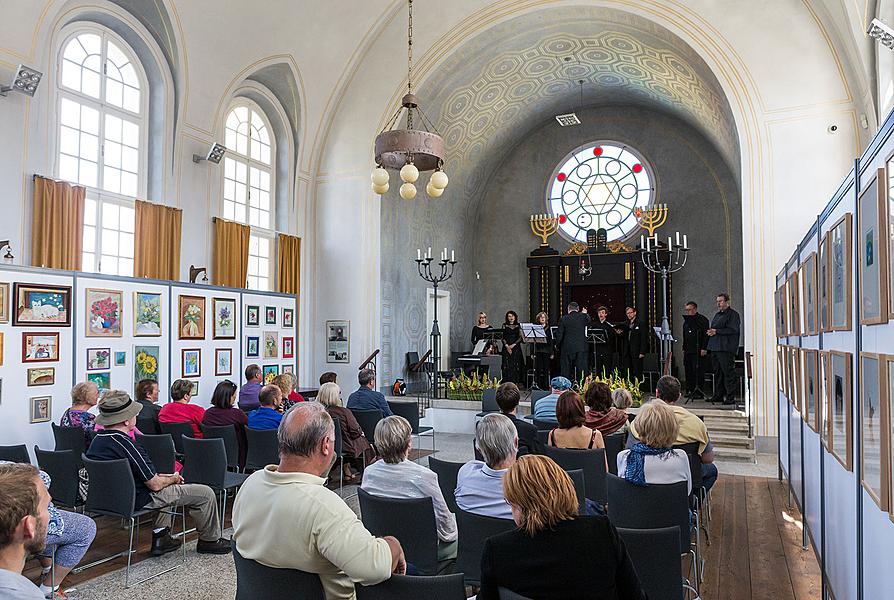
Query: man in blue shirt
column 248, row 395
column 479, row 485
column 545, row 409
column 367, row 398
column 267, row 415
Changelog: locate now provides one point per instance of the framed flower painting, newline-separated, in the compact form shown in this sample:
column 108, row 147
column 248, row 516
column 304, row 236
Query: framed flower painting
column 192, row 318
column 224, row 310
column 104, row 312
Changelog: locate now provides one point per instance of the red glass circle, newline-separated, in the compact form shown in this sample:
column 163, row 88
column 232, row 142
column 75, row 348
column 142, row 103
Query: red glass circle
column 562, row 219
column 637, row 168
column 597, row 151
column 561, row 176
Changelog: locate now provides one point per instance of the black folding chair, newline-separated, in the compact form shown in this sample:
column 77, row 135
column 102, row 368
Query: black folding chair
column 16, row 454
column 160, row 449
column 613, row 445
column 405, row 587
column 446, row 472
column 231, row 443
column 488, row 402
column 263, row 448
column 591, row 462
column 656, row 559
column 254, row 580
column 368, row 419
column 148, row 425
column 62, row 466
column 206, row 463
column 177, row 430
column 70, row 438
column 472, row 531
column 410, row 412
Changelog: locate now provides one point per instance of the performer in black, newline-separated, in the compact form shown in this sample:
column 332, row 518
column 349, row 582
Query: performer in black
column 723, row 341
column 634, row 351
column 543, row 353
column 603, row 363
column 571, row 339
column 513, row 357
column 479, row 330
column 695, row 348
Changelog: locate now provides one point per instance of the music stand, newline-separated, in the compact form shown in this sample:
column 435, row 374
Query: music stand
column 533, row 334
column 596, row 336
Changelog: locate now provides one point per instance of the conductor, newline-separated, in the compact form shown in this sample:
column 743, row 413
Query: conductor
column 571, row 339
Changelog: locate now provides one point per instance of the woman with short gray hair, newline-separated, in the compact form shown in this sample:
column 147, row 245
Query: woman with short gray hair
column 395, row 476
column 355, row 447
column 479, row 485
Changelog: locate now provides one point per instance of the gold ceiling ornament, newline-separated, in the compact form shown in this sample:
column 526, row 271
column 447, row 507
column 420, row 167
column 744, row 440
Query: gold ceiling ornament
column 410, row 150
column 576, row 249
column 615, row 247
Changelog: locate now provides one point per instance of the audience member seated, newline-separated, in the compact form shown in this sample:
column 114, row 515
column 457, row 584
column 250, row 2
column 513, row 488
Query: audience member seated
column 554, row 553
column 571, row 432
column 24, row 519
column 622, row 399
column 479, row 485
column 328, row 377
column 286, row 384
column 367, row 398
column 691, row 428
column 355, row 447
column 285, row 517
column 267, row 415
column 118, row 414
column 254, row 381
column 545, row 409
column 84, row 396
column 652, row 459
column 395, row 476
column 508, row 396
column 601, row 414
column 222, row 413
column 147, row 395
column 180, row 410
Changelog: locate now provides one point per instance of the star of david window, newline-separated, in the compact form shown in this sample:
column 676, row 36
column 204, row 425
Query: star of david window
column 600, row 185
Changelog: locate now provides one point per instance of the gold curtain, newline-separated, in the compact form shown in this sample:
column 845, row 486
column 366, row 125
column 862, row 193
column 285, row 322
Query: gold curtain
column 157, row 241
column 230, row 267
column 289, row 264
column 57, row 229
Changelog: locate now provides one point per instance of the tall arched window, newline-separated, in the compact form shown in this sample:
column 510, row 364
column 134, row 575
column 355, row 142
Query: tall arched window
column 248, row 184
column 102, row 94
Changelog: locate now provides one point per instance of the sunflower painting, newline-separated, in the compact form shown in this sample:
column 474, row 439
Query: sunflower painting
column 145, row 364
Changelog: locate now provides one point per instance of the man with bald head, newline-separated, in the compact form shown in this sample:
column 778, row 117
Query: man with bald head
column 285, row 517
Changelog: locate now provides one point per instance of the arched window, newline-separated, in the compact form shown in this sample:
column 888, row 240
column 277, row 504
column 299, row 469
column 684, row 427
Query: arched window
column 102, row 110
column 248, row 183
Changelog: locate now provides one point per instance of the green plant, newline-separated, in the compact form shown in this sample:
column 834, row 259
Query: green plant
column 470, row 388
column 615, row 380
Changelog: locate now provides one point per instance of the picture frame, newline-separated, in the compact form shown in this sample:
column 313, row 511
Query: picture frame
column 194, row 390
column 840, row 400
column 39, row 305
column 811, row 383
column 120, row 359
column 823, row 284
column 873, row 251
column 191, row 321
column 840, row 250
column 779, row 309
column 103, row 380
column 270, row 371
column 1, row 348
column 105, row 310
column 288, row 317
column 270, row 315
column 888, row 385
column 190, row 362
column 808, row 293
column 271, row 344
column 41, row 376
column 223, row 361
column 146, row 363
column 338, row 341
column 823, row 401
column 41, row 409
column 224, row 310
column 288, row 369
column 252, row 346
column 147, row 314
column 875, row 434
column 780, row 368
column 793, row 296
column 288, row 347
column 4, row 303
column 252, row 315
column 99, row 359
column 889, row 224
column 797, row 380
column 40, row 347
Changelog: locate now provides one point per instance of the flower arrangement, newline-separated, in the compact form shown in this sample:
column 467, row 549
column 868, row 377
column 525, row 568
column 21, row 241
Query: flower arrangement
column 149, row 311
column 615, row 380
column 106, row 309
column 224, row 317
column 470, row 388
column 191, row 317
column 100, row 359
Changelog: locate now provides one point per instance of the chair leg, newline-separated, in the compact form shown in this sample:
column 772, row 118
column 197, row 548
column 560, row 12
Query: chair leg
column 129, row 554
column 698, row 549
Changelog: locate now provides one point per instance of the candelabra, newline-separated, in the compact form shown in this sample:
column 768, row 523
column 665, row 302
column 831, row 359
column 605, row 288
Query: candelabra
column 652, row 218
column 544, row 226
column 436, row 277
column 664, row 260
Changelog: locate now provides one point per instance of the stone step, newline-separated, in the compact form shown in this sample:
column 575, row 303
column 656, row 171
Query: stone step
column 717, row 413
column 736, row 454
column 732, row 441
column 733, row 427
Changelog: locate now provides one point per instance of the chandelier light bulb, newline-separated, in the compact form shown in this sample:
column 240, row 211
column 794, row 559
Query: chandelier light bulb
column 432, row 191
column 380, row 189
column 409, row 173
column 408, row 190
column 439, row 180
column 380, row 177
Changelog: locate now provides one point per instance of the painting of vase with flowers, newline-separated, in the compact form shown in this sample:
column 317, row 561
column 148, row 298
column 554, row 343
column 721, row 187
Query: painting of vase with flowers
column 192, row 318
column 104, row 313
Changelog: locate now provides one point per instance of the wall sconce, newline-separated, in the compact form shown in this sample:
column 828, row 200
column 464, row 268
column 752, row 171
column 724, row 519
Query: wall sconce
column 214, row 154
column 882, row 33
column 194, row 273
column 8, row 257
column 25, row 81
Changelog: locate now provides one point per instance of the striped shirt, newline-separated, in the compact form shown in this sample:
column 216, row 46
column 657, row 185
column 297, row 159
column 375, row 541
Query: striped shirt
column 110, row 444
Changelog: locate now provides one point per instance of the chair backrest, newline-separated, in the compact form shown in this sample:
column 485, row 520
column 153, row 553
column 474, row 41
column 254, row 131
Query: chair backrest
column 161, row 451
column 407, row 410
column 205, row 461
column 656, row 559
column 112, row 490
column 404, row 587
column 62, row 466
column 543, row 437
column 411, row 520
column 592, row 462
column 489, row 401
column 509, row 594
column 472, row 531
column 70, row 438
column 580, row 488
column 368, row 419
column 148, row 425
column 263, row 448
column 613, row 445
column 544, row 425
column 695, row 463
column 412, row 358
column 178, row 429
column 231, row 443
column 254, row 580
column 18, row 453
column 650, row 506
column 446, row 472
column 537, row 395
column 338, row 443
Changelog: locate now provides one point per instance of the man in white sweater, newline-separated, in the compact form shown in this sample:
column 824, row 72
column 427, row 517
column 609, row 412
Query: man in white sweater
column 284, row 516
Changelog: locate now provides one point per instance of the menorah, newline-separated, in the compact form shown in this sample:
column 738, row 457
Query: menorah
column 544, row 226
column 652, row 218
column 664, row 260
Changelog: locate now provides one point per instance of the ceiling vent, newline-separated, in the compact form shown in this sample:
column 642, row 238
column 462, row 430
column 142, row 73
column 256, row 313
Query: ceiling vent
column 567, row 120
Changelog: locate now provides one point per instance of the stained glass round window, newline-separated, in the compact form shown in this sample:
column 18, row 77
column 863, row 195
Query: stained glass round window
column 600, row 185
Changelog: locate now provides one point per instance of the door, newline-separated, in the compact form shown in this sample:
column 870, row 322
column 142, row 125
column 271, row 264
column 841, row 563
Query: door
column 443, row 324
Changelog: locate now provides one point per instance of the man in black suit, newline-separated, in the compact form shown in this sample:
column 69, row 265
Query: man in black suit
column 508, row 396
column 571, row 339
column 603, row 362
column 723, row 341
column 637, row 342
column 695, row 348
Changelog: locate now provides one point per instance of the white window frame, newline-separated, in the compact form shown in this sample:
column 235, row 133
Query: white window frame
column 271, row 239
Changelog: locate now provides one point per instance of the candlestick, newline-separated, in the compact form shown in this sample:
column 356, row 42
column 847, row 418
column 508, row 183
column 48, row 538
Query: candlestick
column 678, row 238
column 452, row 259
column 418, row 254
column 685, row 242
column 642, row 242
column 428, row 254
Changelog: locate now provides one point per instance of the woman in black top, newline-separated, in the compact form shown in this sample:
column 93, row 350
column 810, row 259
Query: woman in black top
column 513, row 357
column 554, row 554
column 480, row 329
column 543, row 353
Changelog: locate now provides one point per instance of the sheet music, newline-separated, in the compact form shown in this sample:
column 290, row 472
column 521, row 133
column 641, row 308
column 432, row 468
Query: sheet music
column 533, row 333
column 479, row 347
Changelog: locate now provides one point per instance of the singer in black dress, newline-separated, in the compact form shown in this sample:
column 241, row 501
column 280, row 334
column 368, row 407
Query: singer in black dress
column 513, row 357
column 543, row 353
column 480, row 329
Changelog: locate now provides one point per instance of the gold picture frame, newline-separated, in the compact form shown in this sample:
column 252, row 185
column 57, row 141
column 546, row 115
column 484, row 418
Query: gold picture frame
column 812, row 400
column 793, row 299
column 809, row 287
column 875, row 432
column 839, row 387
column 841, row 277
column 872, row 228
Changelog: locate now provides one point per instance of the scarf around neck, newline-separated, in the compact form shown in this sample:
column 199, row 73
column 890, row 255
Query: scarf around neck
column 606, row 422
column 636, row 458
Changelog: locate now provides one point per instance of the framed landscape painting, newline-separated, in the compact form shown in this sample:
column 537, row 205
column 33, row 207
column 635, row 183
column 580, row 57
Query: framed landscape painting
column 192, row 317
column 874, row 432
column 40, row 305
column 808, row 293
column 840, row 401
column 40, row 347
column 145, row 363
column 840, row 273
column 872, row 231
column 102, row 380
column 104, row 312
column 146, row 314
column 41, row 376
column 98, row 359
column 223, row 361
column 224, row 310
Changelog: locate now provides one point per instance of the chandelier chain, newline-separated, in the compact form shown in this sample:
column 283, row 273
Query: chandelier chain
column 410, row 61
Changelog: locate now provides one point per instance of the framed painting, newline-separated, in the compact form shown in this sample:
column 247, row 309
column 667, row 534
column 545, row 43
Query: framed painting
column 224, row 310
column 823, row 406
column 338, row 341
column 98, row 359
column 192, row 318
column 191, row 362
column 38, row 305
column 252, row 346
column 888, row 384
column 223, row 361
column 824, row 308
column 146, row 314
column 288, row 369
column 779, row 309
column 797, row 380
column 271, row 344
column 120, row 359
column 780, row 369
column 1, row 348
column 252, row 315
column 874, row 438
column 808, row 293
column 104, row 312
column 146, row 363
column 793, row 299
column 889, row 219
column 841, row 262
column 194, row 390
column 288, row 317
column 288, row 347
column 4, row 303
column 41, row 409
column 102, row 380
column 873, row 251
column 811, row 381
column 270, row 315
column 270, row 371
column 41, row 376
column 840, row 386
column 40, row 347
